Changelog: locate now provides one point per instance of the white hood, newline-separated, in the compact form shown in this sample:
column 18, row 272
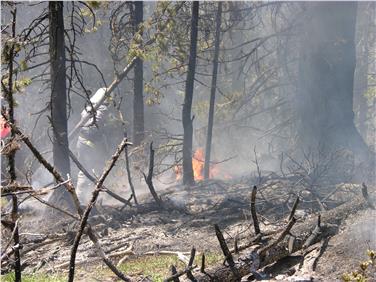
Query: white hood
column 98, row 95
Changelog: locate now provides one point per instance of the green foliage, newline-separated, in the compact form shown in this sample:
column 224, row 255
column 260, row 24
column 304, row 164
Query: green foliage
column 23, row 65
column 94, row 4
column 21, row 84
column 370, row 94
column 157, row 267
column 366, row 271
column 33, row 278
column 7, row 48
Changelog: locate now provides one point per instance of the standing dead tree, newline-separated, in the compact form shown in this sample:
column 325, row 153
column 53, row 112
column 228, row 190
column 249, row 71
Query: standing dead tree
column 212, row 92
column 59, row 121
column 8, row 89
column 187, row 106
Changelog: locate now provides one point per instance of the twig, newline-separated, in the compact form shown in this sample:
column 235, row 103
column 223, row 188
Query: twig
column 294, row 208
column 253, row 210
column 129, row 173
column 34, row 192
column 76, row 217
column 104, row 257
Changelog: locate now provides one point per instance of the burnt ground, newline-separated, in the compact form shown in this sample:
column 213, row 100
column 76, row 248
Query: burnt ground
column 188, row 221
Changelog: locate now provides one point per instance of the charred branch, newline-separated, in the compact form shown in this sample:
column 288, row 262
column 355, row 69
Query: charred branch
column 149, row 178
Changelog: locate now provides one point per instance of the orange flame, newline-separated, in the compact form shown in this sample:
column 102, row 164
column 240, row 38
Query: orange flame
column 198, row 161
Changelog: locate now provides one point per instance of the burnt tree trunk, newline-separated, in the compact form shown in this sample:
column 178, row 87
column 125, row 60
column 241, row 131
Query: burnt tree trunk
column 138, row 84
column 59, row 100
column 326, row 79
column 188, row 178
column 212, row 93
column 11, row 155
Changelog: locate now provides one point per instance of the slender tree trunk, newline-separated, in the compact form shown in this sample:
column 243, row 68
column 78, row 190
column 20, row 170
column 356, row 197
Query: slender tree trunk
column 188, row 178
column 59, row 100
column 212, row 92
column 326, row 77
column 138, row 102
column 12, row 153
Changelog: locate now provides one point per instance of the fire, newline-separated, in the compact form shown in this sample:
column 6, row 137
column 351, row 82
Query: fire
column 198, row 161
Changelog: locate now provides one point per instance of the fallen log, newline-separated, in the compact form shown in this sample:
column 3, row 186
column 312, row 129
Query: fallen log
column 301, row 232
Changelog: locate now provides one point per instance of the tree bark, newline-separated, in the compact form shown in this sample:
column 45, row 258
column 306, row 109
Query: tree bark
column 59, row 100
column 138, row 84
column 188, row 177
column 212, row 93
column 326, row 79
column 11, row 156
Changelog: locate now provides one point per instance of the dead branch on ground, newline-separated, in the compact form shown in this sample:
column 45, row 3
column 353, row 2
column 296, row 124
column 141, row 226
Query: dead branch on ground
column 304, row 235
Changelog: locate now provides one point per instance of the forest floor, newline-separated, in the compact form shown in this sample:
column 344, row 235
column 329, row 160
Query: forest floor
column 144, row 241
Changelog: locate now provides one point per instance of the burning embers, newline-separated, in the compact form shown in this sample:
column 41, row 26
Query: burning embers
column 198, row 161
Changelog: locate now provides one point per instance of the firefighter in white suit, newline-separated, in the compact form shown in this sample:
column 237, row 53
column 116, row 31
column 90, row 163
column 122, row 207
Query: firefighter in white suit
column 91, row 145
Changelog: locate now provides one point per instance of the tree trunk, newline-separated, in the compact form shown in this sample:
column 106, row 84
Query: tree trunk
column 11, row 155
column 212, row 93
column 138, row 100
column 326, row 76
column 188, row 178
column 59, row 100
column 361, row 72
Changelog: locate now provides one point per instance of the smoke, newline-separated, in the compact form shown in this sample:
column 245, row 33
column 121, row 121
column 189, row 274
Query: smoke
column 255, row 114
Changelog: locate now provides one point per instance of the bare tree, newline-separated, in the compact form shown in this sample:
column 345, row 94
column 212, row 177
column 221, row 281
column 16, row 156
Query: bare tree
column 212, row 92
column 138, row 83
column 187, row 107
column 59, row 99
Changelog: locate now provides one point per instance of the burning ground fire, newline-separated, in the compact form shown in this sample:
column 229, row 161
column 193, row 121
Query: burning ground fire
column 198, row 161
